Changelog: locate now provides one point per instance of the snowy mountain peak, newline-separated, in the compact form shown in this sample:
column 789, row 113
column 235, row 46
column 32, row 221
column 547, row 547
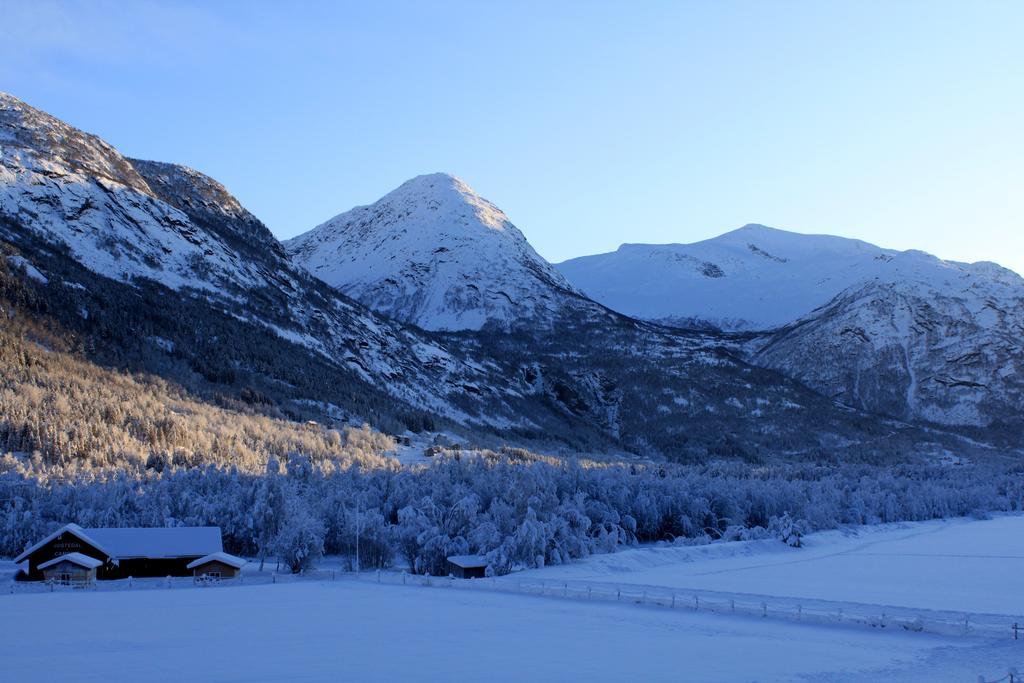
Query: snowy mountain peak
column 757, row 277
column 435, row 253
column 446, row 194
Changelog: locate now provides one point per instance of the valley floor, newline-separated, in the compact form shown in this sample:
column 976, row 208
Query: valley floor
column 348, row 630
column 369, row 632
column 958, row 565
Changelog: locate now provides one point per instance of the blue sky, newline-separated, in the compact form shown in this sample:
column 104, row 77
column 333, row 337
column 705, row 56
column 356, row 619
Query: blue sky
column 589, row 123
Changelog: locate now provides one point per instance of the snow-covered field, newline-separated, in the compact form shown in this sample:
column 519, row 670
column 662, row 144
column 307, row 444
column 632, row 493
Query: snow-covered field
column 368, row 632
column 348, row 630
column 958, row 565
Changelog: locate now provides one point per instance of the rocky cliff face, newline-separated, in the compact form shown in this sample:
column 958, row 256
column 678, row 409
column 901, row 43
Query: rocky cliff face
column 903, row 334
column 912, row 351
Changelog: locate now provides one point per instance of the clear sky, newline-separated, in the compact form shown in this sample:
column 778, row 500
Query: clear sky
column 589, row 123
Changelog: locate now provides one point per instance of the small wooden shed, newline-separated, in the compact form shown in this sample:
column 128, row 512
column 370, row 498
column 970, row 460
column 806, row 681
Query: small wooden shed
column 216, row 566
column 467, row 566
column 71, row 569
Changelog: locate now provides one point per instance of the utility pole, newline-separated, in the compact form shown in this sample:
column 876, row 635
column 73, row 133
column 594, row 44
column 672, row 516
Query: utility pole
column 359, row 521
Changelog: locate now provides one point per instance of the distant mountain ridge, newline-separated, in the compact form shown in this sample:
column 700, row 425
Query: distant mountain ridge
column 900, row 333
column 757, row 278
column 435, row 254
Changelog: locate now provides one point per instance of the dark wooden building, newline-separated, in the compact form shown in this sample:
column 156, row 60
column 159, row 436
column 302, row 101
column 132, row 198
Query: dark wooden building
column 216, row 566
column 467, row 566
column 137, row 552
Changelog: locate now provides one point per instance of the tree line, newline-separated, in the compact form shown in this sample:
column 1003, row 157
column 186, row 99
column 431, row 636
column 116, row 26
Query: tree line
column 517, row 509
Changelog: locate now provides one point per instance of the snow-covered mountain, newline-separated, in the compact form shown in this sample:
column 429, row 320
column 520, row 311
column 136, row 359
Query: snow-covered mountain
column 947, row 352
column 759, row 278
column 436, row 254
column 900, row 333
column 66, row 195
column 155, row 267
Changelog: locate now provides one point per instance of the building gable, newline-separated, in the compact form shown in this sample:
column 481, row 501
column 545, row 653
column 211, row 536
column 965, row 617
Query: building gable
column 66, row 532
column 64, row 543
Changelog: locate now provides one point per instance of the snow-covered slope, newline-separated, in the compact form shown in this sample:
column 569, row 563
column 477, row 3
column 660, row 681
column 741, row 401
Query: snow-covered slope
column 899, row 333
column 759, row 278
column 948, row 351
column 436, row 254
column 66, row 194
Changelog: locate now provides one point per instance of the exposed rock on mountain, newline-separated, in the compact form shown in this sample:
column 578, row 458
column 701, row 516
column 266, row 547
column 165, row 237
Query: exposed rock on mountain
column 71, row 200
column 935, row 353
column 903, row 334
column 436, row 254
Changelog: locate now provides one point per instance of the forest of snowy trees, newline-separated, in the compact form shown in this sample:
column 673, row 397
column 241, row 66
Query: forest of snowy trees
column 517, row 509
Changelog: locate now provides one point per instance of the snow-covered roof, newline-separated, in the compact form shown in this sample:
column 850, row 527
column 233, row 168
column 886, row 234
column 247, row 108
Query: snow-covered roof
column 468, row 561
column 230, row 560
column 178, row 541
column 72, row 529
column 155, row 542
column 74, row 558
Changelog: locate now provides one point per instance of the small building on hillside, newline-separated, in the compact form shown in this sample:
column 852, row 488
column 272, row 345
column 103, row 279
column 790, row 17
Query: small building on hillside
column 467, row 566
column 72, row 569
column 124, row 552
column 216, row 566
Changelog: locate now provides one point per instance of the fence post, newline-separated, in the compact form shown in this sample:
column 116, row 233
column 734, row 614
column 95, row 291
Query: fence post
column 764, row 609
column 1014, row 623
column 799, row 612
column 696, row 603
column 732, row 605
column 673, row 600
column 618, row 594
column 966, row 626
column 839, row 617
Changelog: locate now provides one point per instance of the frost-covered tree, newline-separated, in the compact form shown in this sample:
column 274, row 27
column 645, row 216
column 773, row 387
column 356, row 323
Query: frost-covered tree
column 300, row 542
column 268, row 510
column 788, row 530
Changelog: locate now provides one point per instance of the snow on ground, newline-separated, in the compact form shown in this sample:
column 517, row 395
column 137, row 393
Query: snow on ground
column 369, row 632
column 959, row 565
column 362, row 630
